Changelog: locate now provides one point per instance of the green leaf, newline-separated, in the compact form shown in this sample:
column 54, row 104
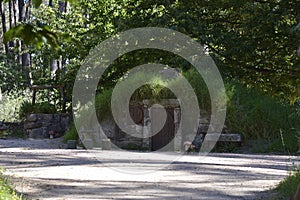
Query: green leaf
column 12, row 33
column 36, row 3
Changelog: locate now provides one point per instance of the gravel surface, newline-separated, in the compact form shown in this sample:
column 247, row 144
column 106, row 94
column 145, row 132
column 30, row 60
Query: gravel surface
column 44, row 169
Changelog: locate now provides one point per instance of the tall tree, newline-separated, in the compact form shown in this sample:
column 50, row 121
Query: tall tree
column 3, row 21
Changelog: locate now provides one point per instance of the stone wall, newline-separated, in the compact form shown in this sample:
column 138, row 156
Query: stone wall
column 38, row 126
column 141, row 138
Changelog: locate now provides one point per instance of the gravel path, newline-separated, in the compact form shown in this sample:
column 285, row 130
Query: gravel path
column 43, row 169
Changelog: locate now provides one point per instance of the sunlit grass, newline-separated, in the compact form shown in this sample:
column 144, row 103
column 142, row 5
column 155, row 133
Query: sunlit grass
column 6, row 192
column 287, row 187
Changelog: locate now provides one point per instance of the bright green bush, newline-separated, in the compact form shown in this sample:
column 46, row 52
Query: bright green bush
column 6, row 192
column 287, row 188
column 72, row 134
column 10, row 104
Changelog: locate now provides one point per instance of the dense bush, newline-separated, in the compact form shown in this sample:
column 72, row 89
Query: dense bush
column 287, row 187
column 276, row 124
column 7, row 192
column 43, row 107
column 72, row 134
column 10, row 104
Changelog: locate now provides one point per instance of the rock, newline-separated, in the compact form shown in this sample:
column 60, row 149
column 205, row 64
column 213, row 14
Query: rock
column 32, row 125
column 71, row 144
column 129, row 145
column 88, row 143
column 106, row 144
column 31, row 118
column 59, row 123
column 36, row 133
column 56, row 128
column 47, row 117
column 203, row 128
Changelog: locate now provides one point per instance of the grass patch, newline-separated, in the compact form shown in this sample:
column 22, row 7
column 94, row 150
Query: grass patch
column 274, row 124
column 287, row 188
column 7, row 192
column 72, row 134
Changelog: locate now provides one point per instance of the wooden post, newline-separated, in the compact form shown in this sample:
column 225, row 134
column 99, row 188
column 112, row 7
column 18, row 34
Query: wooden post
column 0, row 94
column 63, row 99
column 33, row 96
column 60, row 88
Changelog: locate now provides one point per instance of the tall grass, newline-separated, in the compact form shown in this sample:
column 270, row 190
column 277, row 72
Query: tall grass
column 7, row 192
column 287, row 187
column 260, row 117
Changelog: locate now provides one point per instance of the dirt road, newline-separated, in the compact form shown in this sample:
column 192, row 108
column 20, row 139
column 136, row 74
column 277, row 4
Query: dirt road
column 41, row 169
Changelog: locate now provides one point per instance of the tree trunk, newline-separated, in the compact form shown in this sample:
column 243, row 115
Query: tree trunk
column 4, row 28
column 53, row 68
column 50, row 3
column 62, row 6
column 26, row 68
column 21, row 11
column 15, row 12
column 11, row 19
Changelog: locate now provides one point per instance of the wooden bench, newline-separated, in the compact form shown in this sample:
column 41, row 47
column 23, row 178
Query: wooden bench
column 224, row 137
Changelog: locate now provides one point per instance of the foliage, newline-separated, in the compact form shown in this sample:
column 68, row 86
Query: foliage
column 102, row 105
column 10, row 76
column 261, row 117
column 254, row 42
column 32, row 35
column 43, row 107
column 10, row 105
column 5, row 191
column 287, row 188
column 72, row 134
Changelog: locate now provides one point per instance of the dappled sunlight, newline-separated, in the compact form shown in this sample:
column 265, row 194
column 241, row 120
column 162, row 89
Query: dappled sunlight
column 76, row 174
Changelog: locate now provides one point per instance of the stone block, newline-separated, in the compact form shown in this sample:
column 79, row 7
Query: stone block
column 65, row 122
column 71, row 144
column 32, row 125
column 47, row 117
column 31, row 118
column 59, row 123
column 106, row 144
column 46, row 132
column 56, row 118
column 88, row 143
column 56, row 128
column 36, row 133
column 128, row 144
column 203, row 128
column 223, row 137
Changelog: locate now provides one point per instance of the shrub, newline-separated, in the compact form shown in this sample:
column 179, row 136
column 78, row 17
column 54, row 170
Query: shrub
column 10, row 104
column 43, row 107
column 102, row 104
column 260, row 117
column 72, row 134
column 5, row 191
column 287, row 188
